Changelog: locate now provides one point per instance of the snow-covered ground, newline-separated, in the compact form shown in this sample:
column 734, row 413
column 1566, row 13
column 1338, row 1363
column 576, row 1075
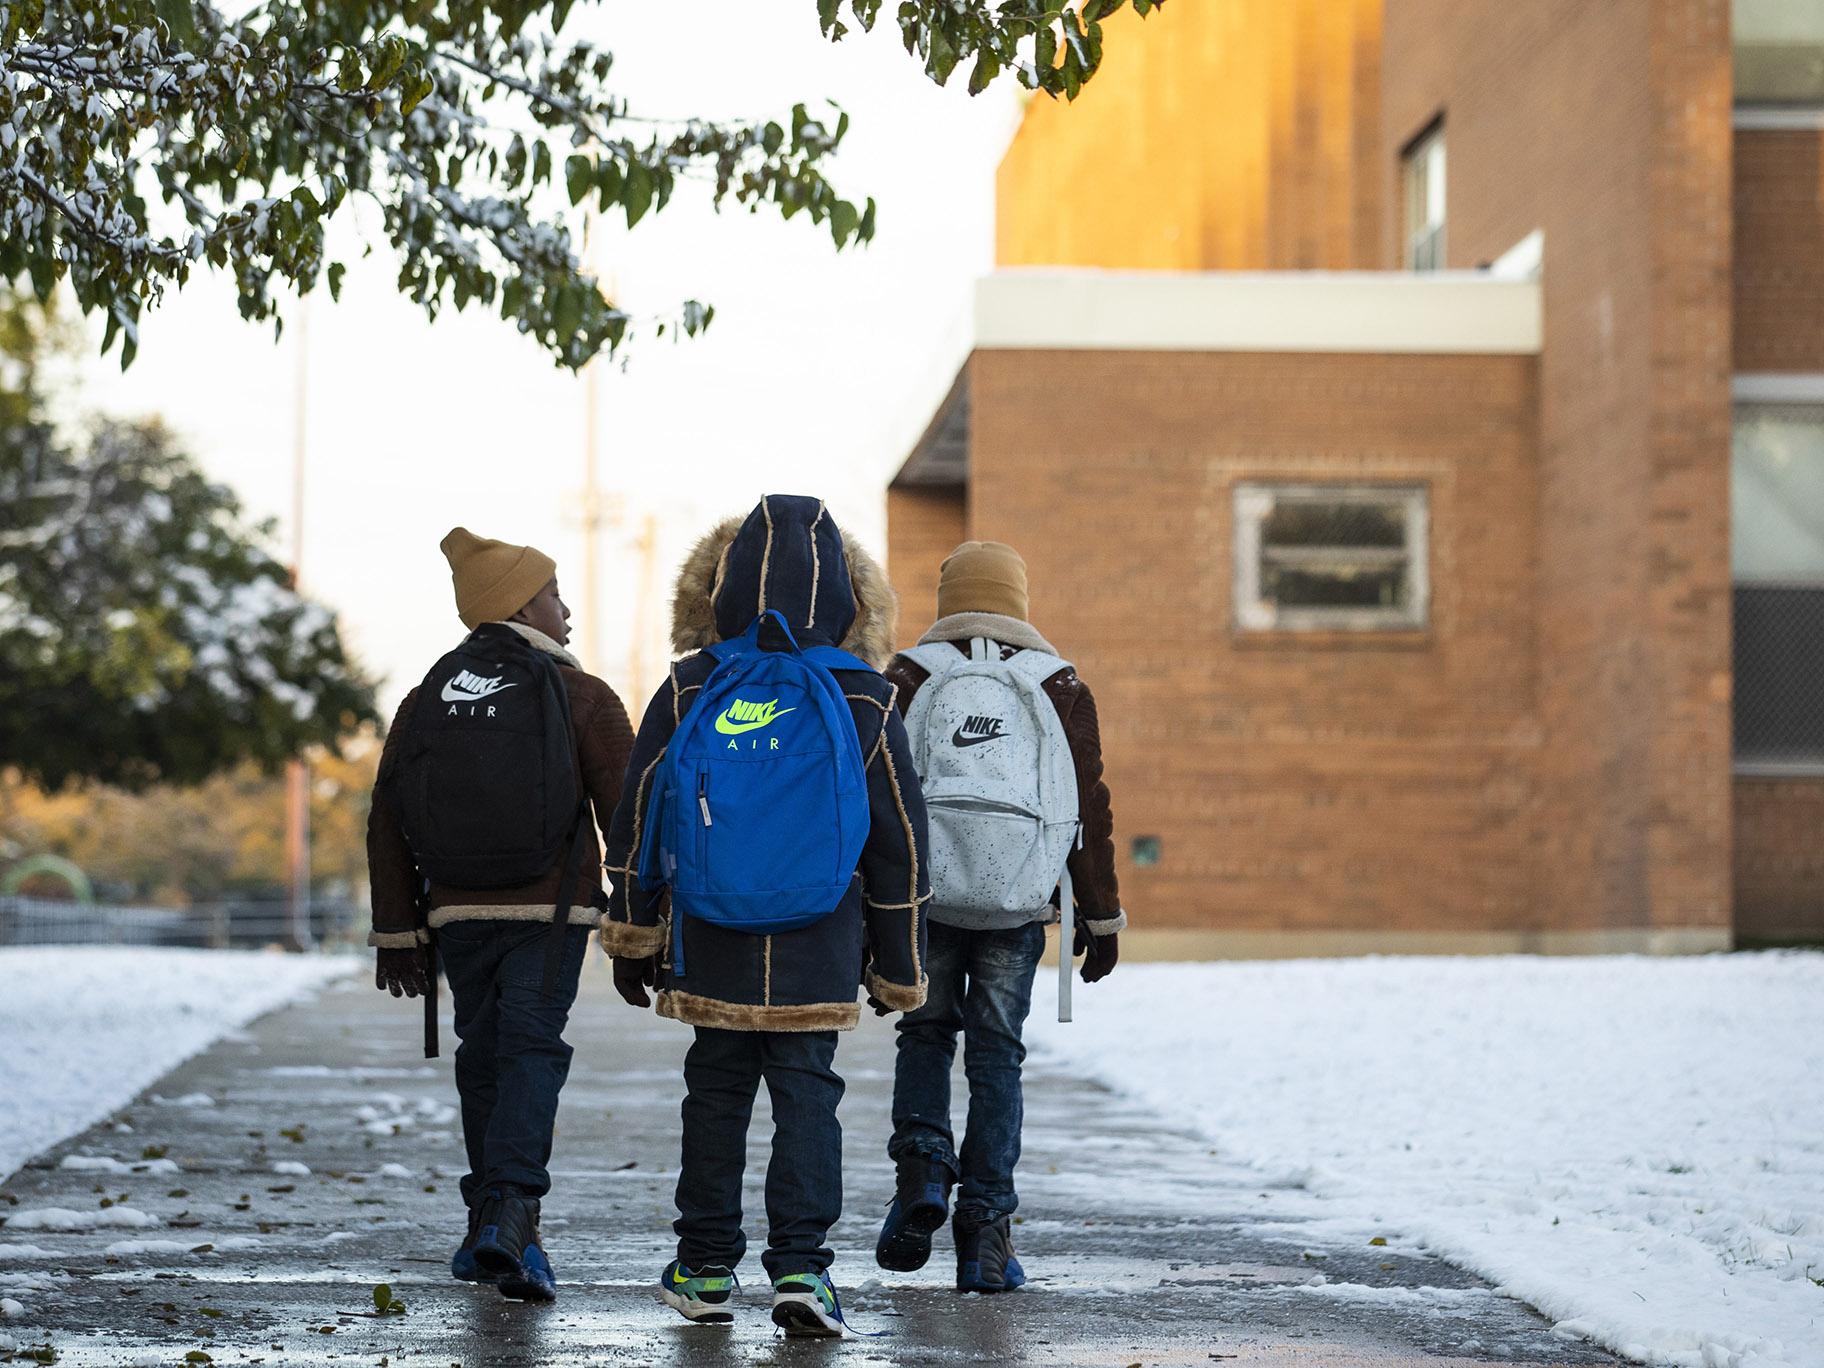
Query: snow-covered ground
column 84, row 1029
column 1634, row 1146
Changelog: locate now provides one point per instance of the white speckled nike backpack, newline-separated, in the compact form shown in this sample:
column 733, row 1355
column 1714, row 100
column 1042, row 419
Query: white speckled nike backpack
column 999, row 783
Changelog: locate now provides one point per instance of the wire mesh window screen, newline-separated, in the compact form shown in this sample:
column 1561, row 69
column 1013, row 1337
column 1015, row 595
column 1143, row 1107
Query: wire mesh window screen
column 1777, row 513
column 1330, row 557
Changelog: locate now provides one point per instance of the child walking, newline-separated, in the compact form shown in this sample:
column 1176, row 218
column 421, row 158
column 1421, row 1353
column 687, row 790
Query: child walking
column 482, row 851
column 1006, row 741
column 766, row 863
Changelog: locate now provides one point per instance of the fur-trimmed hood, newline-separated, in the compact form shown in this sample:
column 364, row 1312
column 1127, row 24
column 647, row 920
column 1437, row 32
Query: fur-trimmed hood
column 787, row 554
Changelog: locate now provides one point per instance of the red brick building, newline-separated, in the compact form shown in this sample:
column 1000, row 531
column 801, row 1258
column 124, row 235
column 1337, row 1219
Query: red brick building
column 1419, row 444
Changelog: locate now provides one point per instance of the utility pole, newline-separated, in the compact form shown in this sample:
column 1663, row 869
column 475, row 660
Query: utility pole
column 646, row 544
column 598, row 510
column 297, row 771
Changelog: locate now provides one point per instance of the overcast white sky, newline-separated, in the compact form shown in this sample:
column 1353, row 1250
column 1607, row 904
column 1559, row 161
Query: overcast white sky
column 815, row 377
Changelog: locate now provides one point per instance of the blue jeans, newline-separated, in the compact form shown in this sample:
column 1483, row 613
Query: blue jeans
column 980, row 985
column 722, row 1072
column 512, row 1061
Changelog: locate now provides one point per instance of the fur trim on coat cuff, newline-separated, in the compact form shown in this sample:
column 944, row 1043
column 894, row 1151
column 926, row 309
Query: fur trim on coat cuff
column 896, row 995
column 397, row 940
column 693, row 1010
column 624, row 940
column 1106, row 926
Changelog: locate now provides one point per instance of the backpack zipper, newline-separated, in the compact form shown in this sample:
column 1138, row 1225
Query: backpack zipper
column 703, row 798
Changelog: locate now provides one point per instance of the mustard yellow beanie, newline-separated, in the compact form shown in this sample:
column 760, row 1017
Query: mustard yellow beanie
column 494, row 579
column 983, row 577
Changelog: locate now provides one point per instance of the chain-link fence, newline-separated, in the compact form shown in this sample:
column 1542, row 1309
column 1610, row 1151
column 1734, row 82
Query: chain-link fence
column 245, row 923
column 1779, row 679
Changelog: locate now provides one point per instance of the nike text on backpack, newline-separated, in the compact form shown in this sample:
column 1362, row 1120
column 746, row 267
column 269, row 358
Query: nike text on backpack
column 999, row 782
column 759, row 808
column 486, row 778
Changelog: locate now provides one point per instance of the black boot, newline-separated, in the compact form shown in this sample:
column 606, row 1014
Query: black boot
column 921, row 1200
column 984, row 1256
column 507, row 1246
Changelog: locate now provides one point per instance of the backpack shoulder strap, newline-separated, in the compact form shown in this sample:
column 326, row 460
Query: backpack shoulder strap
column 1035, row 666
column 935, row 657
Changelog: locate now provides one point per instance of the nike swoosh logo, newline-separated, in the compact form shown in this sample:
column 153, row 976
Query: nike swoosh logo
column 960, row 740
column 728, row 728
column 454, row 694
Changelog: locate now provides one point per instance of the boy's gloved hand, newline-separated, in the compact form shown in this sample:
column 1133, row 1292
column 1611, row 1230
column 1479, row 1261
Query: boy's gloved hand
column 632, row 977
column 400, row 972
column 1100, row 954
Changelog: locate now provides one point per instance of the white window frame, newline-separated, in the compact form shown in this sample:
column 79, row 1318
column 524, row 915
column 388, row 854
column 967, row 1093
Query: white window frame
column 1255, row 500
column 1424, row 176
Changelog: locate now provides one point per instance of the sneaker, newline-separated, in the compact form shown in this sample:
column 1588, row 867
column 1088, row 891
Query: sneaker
column 805, row 1306
column 700, row 1295
column 984, row 1256
column 921, row 1203
column 463, row 1266
column 508, row 1248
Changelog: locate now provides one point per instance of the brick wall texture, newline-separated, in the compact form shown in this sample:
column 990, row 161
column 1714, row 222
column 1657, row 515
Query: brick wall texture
column 923, row 527
column 1609, row 127
column 1779, row 250
column 1294, row 787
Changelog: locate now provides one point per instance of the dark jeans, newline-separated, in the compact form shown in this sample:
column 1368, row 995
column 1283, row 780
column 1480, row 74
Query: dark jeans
column 722, row 1072
column 512, row 1061
column 981, row 985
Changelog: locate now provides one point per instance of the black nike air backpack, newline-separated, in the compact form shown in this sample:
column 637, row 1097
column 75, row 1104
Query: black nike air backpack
column 485, row 777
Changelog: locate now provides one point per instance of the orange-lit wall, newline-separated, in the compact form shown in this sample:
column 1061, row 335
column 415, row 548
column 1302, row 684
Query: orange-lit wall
column 1219, row 135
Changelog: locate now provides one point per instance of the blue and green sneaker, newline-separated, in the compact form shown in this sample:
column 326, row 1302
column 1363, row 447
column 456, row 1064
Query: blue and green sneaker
column 805, row 1305
column 699, row 1295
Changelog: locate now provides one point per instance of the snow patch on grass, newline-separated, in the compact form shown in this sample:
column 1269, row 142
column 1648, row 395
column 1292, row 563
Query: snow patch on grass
column 1634, row 1146
column 87, row 1027
column 291, row 1168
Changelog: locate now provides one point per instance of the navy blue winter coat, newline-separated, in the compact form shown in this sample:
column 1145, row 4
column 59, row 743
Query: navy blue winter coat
column 789, row 555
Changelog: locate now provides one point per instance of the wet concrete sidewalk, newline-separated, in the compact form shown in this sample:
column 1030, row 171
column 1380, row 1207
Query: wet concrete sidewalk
column 299, row 1164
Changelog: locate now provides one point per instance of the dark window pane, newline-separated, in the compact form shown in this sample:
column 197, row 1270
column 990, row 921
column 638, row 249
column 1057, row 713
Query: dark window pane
column 1293, row 586
column 1779, row 663
column 1302, row 522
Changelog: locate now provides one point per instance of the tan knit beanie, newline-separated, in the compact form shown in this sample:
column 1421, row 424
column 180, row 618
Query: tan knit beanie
column 983, row 577
column 494, row 579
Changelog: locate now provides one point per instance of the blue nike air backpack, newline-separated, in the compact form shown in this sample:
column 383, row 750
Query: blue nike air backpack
column 759, row 808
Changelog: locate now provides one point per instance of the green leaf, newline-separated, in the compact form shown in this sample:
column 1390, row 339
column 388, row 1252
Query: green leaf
column 541, row 163
column 579, row 174
column 414, row 94
column 608, row 182
column 986, row 69
column 636, row 194
column 178, row 19
column 845, row 218
column 826, row 14
column 567, row 315
column 383, row 1296
column 941, row 60
column 197, row 1356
